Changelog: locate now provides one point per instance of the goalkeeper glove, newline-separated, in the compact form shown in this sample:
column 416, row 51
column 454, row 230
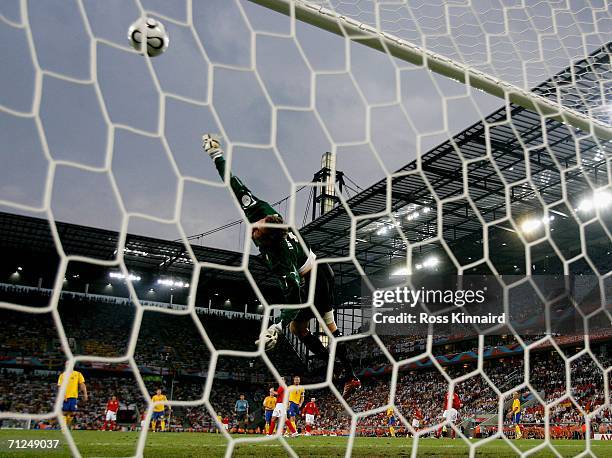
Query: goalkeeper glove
column 212, row 146
column 270, row 336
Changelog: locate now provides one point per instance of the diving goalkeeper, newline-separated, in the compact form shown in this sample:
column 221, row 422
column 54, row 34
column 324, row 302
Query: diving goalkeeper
column 292, row 264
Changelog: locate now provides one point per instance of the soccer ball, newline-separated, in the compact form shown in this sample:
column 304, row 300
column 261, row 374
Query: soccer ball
column 155, row 33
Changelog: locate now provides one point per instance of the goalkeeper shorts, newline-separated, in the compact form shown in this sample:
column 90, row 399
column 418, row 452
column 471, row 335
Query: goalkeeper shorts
column 323, row 297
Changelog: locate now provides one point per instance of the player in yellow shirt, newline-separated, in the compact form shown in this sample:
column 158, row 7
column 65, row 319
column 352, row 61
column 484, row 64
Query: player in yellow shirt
column 75, row 382
column 296, row 399
column 516, row 415
column 158, row 410
column 391, row 421
column 269, row 404
column 220, row 420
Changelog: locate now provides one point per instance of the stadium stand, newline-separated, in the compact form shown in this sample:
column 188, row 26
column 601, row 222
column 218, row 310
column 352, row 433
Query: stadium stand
column 171, row 354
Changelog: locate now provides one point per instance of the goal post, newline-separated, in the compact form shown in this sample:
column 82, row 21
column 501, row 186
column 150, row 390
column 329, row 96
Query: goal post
column 399, row 48
column 15, row 423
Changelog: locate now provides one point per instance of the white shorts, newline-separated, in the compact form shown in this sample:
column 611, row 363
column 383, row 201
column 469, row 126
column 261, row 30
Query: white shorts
column 110, row 415
column 415, row 423
column 280, row 410
column 226, row 426
column 310, row 419
column 451, row 415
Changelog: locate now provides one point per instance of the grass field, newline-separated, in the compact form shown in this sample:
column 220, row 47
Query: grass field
column 99, row 443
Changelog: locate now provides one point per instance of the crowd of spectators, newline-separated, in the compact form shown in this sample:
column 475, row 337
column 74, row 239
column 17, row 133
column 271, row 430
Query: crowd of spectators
column 171, row 353
column 421, row 393
column 38, row 395
column 102, row 326
column 417, row 393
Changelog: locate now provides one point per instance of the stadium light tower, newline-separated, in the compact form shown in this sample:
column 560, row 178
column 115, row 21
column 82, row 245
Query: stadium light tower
column 327, row 176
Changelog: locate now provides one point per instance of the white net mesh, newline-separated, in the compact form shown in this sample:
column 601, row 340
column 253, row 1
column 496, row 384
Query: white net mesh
column 98, row 136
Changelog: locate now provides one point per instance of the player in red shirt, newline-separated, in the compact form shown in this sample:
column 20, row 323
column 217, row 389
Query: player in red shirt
column 456, row 401
column 310, row 411
column 112, row 407
column 449, row 406
column 281, row 411
column 417, row 418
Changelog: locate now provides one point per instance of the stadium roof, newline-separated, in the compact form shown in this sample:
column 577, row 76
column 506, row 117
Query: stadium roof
column 26, row 235
column 579, row 86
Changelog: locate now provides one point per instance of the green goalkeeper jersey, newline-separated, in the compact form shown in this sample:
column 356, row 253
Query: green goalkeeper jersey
column 289, row 259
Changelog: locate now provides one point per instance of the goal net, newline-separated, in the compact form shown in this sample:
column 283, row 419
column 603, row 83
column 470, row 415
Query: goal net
column 474, row 141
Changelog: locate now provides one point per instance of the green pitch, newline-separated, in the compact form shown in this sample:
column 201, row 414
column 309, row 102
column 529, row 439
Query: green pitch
column 100, row 443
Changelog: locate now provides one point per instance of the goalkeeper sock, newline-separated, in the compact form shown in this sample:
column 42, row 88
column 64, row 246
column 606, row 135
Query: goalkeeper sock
column 314, row 344
column 163, row 425
column 342, row 355
column 153, row 425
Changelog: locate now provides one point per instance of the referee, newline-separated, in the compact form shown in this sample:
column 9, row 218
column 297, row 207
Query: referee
column 241, row 409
